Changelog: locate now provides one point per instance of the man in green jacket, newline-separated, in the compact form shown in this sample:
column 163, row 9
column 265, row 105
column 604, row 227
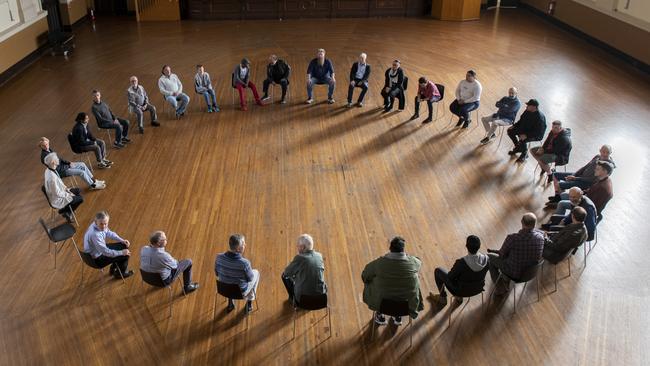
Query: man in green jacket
column 393, row 276
column 304, row 275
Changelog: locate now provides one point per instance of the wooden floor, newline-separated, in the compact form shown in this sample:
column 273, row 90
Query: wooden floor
column 352, row 178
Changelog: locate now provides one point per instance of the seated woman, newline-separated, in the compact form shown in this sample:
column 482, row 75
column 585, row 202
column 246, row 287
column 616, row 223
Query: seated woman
column 67, row 168
column 65, row 199
column 241, row 80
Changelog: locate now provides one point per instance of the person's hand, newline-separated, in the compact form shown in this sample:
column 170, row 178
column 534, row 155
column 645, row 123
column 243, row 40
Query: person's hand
column 127, row 243
column 418, row 99
column 386, row 90
column 523, row 136
column 126, row 252
column 332, row 80
column 308, row 81
column 174, row 94
column 352, row 83
column 570, row 177
column 460, row 101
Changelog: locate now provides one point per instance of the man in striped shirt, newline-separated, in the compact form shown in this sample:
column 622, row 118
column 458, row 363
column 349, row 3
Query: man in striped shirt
column 232, row 268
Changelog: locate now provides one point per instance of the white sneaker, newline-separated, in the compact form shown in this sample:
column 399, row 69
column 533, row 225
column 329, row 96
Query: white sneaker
column 331, row 101
column 310, row 101
column 97, row 186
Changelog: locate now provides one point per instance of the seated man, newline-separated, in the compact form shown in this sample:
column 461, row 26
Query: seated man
column 203, row 86
column 139, row 103
column 466, row 276
column 582, row 178
column 171, row 88
column 67, row 169
column 64, row 199
column 576, row 199
column 393, row 87
column 232, row 268
column 106, row 119
column 83, row 140
column 154, row 259
column 518, row 252
column 241, row 81
column 530, row 127
column 277, row 72
column 599, row 193
column 320, row 71
column 117, row 254
column 555, row 149
column 304, row 275
column 505, row 115
column 428, row 92
column 568, row 238
column 468, row 96
column 359, row 74
column 394, row 277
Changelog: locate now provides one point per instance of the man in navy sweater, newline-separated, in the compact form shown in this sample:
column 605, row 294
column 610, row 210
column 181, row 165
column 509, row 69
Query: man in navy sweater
column 505, row 115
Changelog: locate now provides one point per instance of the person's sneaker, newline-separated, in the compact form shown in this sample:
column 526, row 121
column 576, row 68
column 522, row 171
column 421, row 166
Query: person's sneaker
column 460, row 122
column 555, row 198
column 126, row 140
column 100, row 182
column 209, row 109
column 522, row 158
column 397, row 320
column 330, row 101
column 68, row 218
column 439, row 300
column 400, row 109
column 283, row 101
column 549, row 178
column 349, row 105
column 359, row 104
column 414, row 117
column 387, row 109
column 107, row 162
column 118, row 145
column 97, row 185
column 155, row 123
column 102, row 165
column 512, row 152
column 493, row 136
column 541, row 173
column 310, row 101
column 428, row 120
column 192, row 287
column 265, row 97
column 126, row 274
column 466, row 123
column 259, row 103
column 215, row 109
column 244, row 108
column 457, row 300
column 249, row 307
column 380, row 319
column 141, row 130
column 485, row 141
column 231, row 306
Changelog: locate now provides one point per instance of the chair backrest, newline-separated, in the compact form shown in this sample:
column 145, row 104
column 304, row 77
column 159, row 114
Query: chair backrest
column 72, row 145
column 469, row 289
column 47, row 229
column 46, row 196
column 555, row 259
column 312, row 302
column 441, row 90
column 394, row 307
column 530, row 272
column 152, row 278
column 89, row 260
column 229, row 290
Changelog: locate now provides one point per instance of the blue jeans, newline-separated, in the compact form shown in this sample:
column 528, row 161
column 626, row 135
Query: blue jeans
column 179, row 102
column 81, row 170
column 564, row 204
column 566, row 184
column 209, row 95
column 462, row 110
column 326, row 80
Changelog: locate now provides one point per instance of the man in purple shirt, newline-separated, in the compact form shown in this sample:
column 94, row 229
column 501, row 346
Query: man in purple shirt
column 117, row 254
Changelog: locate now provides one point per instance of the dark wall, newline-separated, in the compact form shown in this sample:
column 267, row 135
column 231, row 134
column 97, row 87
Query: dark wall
column 288, row 9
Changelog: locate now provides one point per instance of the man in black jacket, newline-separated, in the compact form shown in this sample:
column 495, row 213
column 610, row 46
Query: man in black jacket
column 568, row 238
column 530, row 127
column 359, row 79
column 467, row 276
column 394, row 86
column 83, row 140
column 277, row 72
column 556, row 149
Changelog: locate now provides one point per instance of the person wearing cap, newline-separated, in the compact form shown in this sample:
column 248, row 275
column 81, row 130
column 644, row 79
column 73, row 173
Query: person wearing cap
column 468, row 96
column 320, row 71
column 277, row 72
column 172, row 89
column 241, row 80
column 428, row 92
column 393, row 276
column 394, row 81
column 530, row 127
column 504, row 116
column 555, row 149
column 359, row 74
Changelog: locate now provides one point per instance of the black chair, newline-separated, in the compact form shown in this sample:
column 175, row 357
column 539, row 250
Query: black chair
column 54, row 209
column 59, row 234
column 155, row 280
column 313, row 302
column 76, row 151
column 230, row 291
column 441, row 90
column 528, row 274
column 556, row 260
column 108, row 131
column 394, row 308
column 90, row 262
column 470, row 289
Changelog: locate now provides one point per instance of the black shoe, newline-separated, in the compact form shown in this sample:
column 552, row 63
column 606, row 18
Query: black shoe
column 554, row 199
column 546, row 227
column 155, row 123
column 428, row 120
column 141, row 130
column 460, row 122
column 380, row 319
column 249, row 307
column 126, row 140
column 231, row 306
column 387, row 109
column 126, row 274
column 512, row 152
column 192, row 287
column 415, row 116
column 112, row 271
column 118, row 145
column 549, row 178
column 466, row 123
column 485, row 141
column 522, row 158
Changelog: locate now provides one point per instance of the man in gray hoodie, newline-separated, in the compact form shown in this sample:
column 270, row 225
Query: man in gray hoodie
column 467, row 276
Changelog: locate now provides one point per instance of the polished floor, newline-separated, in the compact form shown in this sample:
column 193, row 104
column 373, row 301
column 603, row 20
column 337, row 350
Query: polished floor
column 352, row 178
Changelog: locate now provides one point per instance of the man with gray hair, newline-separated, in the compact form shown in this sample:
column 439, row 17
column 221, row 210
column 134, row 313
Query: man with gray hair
column 107, row 120
column 154, row 259
column 320, row 71
column 117, row 253
column 359, row 75
column 577, row 198
column 504, row 116
column 519, row 251
column 65, row 199
column 232, row 268
column 139, row 103
column 304, row 275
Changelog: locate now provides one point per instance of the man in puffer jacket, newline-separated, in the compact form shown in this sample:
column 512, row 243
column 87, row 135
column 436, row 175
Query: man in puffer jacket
column 467, row 276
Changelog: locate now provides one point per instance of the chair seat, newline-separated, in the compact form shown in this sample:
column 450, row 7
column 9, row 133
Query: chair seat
column 312, row 302
column 394, row 307
column 62, row 232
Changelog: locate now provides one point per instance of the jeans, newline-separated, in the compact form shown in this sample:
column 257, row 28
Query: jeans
column 139, row 113
column 390, row 96
column 99, row 148
column 326, row 80
column 462, row 110
column 210, row 96
column 121, row 261
column 184, row 267
column 81, row 170
column 179, row 102
column 490, row 123
column 121, row 128
column 76, row 201
column 240, row 88
column 364, row 90
column 284, row 83
column 430, row 102
column 251, row 289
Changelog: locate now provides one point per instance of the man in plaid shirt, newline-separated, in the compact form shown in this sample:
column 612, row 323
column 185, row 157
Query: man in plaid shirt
column 519, row 251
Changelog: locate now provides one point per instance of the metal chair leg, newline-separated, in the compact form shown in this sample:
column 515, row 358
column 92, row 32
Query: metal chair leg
column 556, row 277
column 120, row 272
column 170, row 300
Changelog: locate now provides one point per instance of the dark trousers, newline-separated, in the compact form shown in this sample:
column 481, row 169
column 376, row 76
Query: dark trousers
column 364, row 90
column 390, row 97
column 121, row 128
column 520, row 145
column 430, row 102
column 76, row 201
column 288, row 284
column 99, row 148
column 121, row 261
column 184, row 267
column 463, row 110
column 283, row 83
column 442, row 280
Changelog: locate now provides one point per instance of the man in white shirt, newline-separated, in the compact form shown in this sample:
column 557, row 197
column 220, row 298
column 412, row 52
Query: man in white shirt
column 117, row 254
column 468, row 95
column 154, row 259
column 172, row 89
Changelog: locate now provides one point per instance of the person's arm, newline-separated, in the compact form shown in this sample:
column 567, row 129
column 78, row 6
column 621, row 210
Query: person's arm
column 287, row 73
column 500, row 102
column 353, row 71
column 131, row 98
column 400, row 79
column 368, row 273
column 163, row 90
column 506, row 246
column 458, row 91
column 366, row 74
column 237, row 80
column 113, row 236
column 100, row 245
column 98, row 116
column 216, row 266
column 145, row 96
column 456, row 270
column 168, row 261
column 581, row 171
column 248, row 270
column 331, row 69
column 179, row 85
column 197, row 84
column 310, row 69
column 476, row 92
column 269, row 72
column 293, row 267
column 590, row 220
column 386, row 79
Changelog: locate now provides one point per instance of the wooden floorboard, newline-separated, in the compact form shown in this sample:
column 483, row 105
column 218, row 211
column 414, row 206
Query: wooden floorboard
column 352, row 178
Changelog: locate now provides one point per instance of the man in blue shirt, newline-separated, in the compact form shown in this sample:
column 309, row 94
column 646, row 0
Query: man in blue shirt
column 232, row 268
column 320, row 71
column 117, row 254
column 154, row 259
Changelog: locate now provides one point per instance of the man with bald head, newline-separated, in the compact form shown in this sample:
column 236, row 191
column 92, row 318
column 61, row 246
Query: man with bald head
column 155, row 259
column 304, row 275
column 139, row 103
column 519, row 251
column 359, row 74
column 577, row 198
column 504, row 116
